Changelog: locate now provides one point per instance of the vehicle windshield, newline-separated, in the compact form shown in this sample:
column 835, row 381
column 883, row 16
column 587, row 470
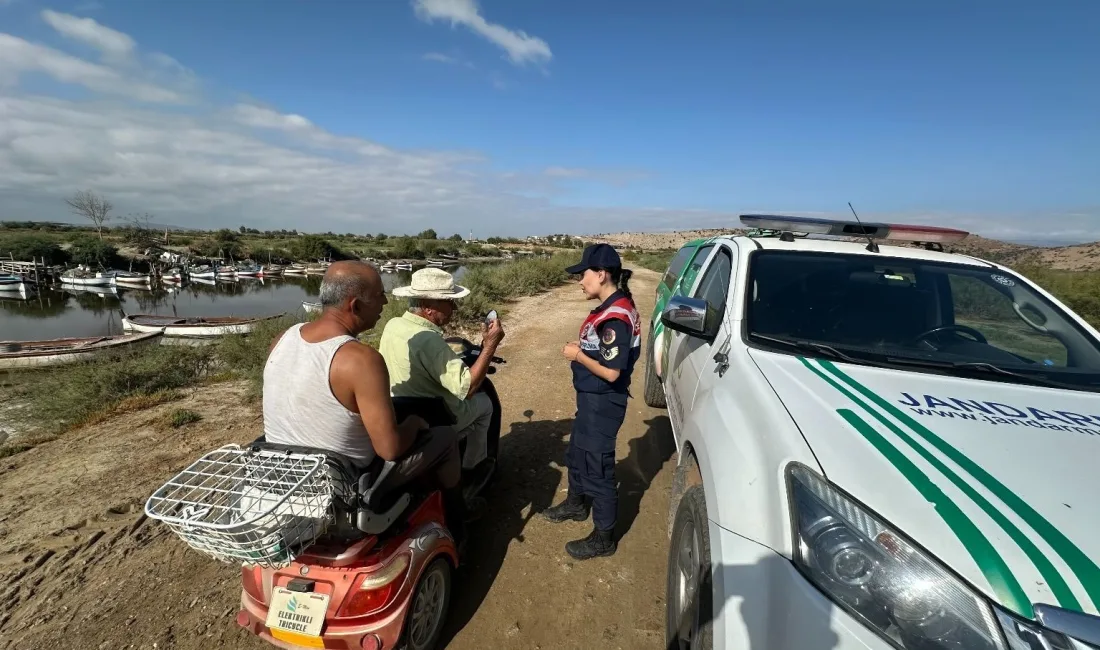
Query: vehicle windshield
column 912, row 313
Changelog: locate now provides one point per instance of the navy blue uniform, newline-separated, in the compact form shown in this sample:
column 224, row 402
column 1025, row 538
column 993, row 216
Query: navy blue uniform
column 611, row 336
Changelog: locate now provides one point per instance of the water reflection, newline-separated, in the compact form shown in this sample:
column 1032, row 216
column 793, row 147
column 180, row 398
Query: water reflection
column 69, row 311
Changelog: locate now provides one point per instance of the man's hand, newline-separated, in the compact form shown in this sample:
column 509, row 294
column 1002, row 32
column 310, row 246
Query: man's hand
column 492, row 334
column 414, row 423
column 571, row 350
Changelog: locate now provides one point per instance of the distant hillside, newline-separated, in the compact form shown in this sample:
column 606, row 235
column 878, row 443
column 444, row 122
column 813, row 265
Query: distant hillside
column 1079, row 257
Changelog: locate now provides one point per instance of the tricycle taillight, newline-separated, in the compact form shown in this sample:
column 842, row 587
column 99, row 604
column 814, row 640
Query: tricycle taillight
column 375, row 590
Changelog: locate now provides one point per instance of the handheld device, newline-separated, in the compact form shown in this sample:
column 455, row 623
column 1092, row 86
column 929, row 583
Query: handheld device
column 491, row 316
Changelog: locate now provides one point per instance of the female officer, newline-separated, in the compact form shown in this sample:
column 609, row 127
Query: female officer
column 602, row 362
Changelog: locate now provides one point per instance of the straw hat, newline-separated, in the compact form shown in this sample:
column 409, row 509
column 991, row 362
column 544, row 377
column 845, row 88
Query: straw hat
column 432, row 284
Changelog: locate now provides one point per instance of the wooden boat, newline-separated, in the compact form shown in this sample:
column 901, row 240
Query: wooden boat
column 130, row 278
column 248, row 271
column 316, row 269
column 295, row 269
column 172, row 275
column 225, row 272
column 15, row 285
column 86, row 278
column 31, row 354
column 204, row 272
column 192, row 326
column 311, row 307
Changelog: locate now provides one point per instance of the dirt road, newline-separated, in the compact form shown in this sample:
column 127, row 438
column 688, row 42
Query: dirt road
column 80, row 567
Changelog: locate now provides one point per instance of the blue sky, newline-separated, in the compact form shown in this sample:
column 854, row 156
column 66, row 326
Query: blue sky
column 535, row 116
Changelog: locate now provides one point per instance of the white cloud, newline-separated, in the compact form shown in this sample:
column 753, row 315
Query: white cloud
column 19, row 56
column 90, row 32
column 520, row 47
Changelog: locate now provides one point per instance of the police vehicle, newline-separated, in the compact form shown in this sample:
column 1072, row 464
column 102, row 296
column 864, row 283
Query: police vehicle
column 881, row 445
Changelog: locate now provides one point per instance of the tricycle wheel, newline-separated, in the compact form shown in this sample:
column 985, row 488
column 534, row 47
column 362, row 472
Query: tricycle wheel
column 428, row 610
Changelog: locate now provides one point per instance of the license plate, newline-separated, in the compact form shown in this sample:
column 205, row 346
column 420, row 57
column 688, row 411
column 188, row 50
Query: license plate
column 297, row 617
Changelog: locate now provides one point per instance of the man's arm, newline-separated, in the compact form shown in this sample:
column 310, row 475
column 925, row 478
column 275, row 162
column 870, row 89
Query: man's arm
column 491, row 336
column 365, row 369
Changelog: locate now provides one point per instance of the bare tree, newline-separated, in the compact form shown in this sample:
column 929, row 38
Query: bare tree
column 91, row 206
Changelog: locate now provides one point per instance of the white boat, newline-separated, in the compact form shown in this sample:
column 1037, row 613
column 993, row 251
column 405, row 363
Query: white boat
column 403, row 267
column 438, row 264
column 204, row 272
column 316, row 269
column 130, row 278
column 312, row 307
column 193, row 326
column 223, row 272
column 248, row 271
column 210, row 282
column 12, row 285
column 86, row 278
column 295, row 269
column 102, row 292
column 31, row 354
column 172, row 275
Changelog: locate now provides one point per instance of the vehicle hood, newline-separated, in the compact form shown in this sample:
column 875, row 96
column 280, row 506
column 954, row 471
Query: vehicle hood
column 1019, row 462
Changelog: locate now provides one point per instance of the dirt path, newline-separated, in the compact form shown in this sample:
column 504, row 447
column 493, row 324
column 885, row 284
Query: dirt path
column 80, row 567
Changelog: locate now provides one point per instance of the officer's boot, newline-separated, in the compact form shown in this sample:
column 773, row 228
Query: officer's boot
column 599, row 543
column 574, row 508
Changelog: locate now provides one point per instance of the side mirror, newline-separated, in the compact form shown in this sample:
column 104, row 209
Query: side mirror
column 687, row 315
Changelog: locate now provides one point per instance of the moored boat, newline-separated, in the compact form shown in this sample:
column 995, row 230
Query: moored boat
column 11, row 284
column 295, row 269
column 82, row 277
column 192, row 326
column 204, row 272
column 311, row 307
column 130, row 278
column 31, row 354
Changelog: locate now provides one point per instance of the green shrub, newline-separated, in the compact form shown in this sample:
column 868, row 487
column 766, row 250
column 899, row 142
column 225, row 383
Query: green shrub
column 25, row 248
column 70, row 395
column 94, row 252
column 180, row 417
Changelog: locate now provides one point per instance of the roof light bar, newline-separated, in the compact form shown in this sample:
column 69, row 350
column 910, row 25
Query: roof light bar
column 896, row 232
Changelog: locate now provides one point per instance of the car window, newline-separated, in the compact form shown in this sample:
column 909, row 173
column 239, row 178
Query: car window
column 692, row 270
column 676, row 266
column 715, row 287
column 924, row 311
column 985, row 309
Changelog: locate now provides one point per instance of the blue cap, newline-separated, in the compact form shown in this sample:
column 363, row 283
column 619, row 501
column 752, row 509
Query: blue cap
column 596, row 256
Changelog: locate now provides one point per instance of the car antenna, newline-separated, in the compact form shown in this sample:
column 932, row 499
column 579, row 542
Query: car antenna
column 871, row 245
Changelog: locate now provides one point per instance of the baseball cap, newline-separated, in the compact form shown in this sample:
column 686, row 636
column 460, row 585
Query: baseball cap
column 596, row 256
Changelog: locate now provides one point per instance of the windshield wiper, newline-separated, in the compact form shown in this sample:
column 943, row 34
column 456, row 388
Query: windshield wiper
column 986, row 367
column 811, row 346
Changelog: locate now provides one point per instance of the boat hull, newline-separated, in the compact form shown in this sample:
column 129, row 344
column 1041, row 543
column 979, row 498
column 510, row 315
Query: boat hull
column 37, row 354
column 192, row 330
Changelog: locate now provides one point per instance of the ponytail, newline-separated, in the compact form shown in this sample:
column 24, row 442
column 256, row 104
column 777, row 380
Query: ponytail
column 621, row 278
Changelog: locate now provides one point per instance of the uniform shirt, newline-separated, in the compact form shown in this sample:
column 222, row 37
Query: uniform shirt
column 421, row 364
column 613, row 347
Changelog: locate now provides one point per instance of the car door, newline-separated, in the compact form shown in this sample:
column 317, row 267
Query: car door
column 695, row 356
column 673, row 341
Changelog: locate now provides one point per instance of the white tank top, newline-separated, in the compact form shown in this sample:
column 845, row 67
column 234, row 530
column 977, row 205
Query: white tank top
column 299, row 407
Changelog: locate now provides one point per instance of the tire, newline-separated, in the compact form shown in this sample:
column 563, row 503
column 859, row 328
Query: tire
column 689, row 593
column 419, row 635
column 654, row 394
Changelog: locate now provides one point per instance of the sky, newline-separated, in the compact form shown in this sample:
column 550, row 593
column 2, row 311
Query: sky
column 516, row 117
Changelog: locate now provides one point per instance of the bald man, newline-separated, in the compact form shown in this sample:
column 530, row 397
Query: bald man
column 325, row 389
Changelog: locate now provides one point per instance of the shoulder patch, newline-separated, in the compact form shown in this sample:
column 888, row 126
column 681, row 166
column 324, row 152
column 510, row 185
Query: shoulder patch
column 608, row 336
column 609, row 353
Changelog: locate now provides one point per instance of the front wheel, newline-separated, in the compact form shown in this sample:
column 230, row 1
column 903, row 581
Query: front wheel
column 688, row 605
column 654, row 393
column 428, row 610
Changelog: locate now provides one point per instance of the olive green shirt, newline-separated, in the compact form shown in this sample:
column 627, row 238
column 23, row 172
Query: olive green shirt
column 421, row 364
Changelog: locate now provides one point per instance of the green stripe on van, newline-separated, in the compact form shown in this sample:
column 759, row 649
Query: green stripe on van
column 1083, row 567
column 989, row 562
column 1047, row 570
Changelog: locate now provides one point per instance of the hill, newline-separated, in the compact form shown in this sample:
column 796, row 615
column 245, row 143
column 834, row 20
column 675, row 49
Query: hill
column 1079, row 257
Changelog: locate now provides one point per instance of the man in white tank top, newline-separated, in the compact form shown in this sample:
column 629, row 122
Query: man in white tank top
column 324, row 389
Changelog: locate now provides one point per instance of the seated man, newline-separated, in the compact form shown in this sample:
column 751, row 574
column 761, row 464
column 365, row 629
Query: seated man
column 323, row 388
column 421, row 364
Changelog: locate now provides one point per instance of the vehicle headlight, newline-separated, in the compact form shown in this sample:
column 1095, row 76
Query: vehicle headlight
column 894, row 587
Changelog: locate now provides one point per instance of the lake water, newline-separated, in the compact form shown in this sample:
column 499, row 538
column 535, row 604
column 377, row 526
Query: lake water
column 75, row 312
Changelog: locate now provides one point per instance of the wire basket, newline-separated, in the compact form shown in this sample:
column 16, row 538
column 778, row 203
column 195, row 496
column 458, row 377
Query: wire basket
column 243, row 506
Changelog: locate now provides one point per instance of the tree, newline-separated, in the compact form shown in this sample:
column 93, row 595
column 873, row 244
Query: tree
column 428, row 234
column 140, row 233
column 456, row 237
column 406, row 248
column 92, row 207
